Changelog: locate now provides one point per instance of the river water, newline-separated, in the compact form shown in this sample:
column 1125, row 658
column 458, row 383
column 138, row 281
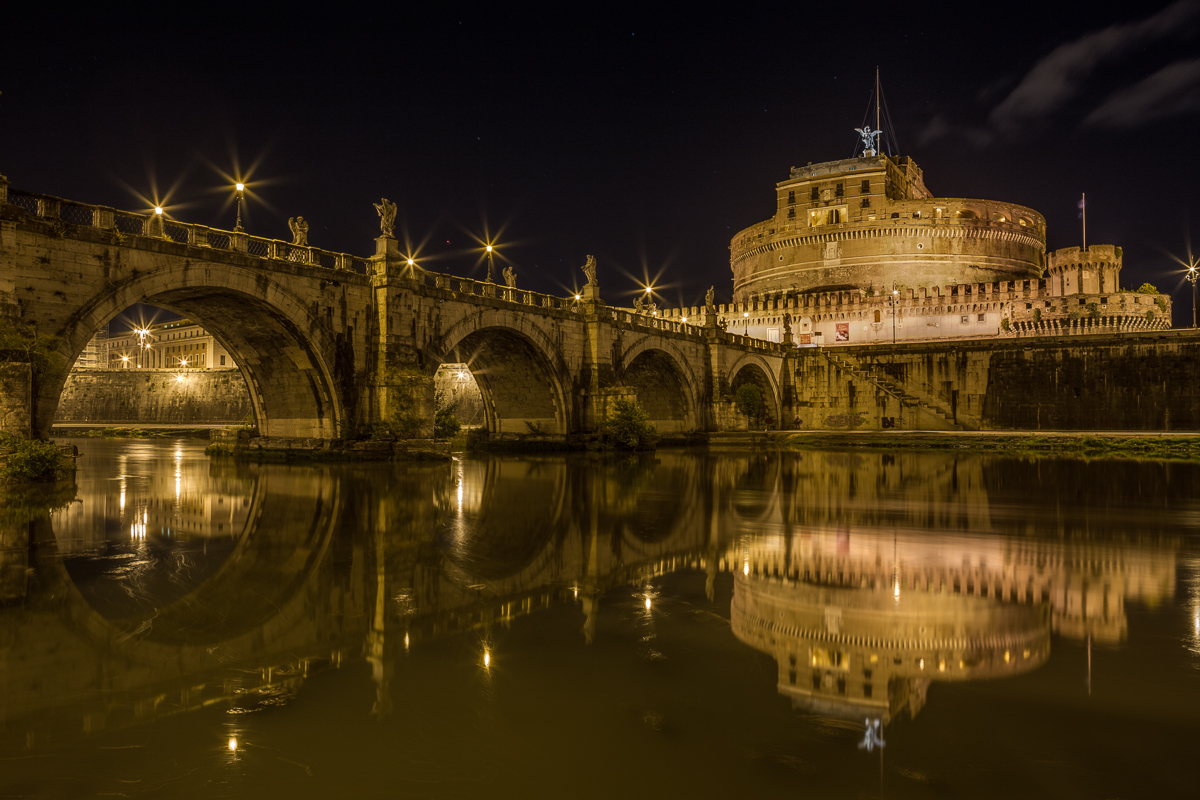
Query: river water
column 682, row 624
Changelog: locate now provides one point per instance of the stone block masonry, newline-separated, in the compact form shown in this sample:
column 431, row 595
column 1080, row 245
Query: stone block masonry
column 1148, row 381
column 155, row 397
column 15, row 399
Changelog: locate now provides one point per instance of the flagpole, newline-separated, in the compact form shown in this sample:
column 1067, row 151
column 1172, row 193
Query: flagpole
column 1083, row 205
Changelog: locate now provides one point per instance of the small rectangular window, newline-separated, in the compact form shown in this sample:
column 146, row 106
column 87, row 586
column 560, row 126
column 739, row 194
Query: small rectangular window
column 791, row 198
column 895, row 215
column 866, row 202
column 916, row 215
column 964, row 319
column 981, row 317
column 840, row 190
column 866, row 186
column 816, row 193
column 791, row 213
column 222, row 361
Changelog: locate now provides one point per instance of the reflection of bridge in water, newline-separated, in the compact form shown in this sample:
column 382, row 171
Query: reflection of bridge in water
column 340, row 563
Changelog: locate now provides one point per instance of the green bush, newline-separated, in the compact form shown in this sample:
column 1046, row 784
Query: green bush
column 1004, row 324
column 477, row 437
column 748, row 400
column 1147, row 288
column 445, row 424
column 32, row 460
column 1037, row 315
column 1093, row 312
column 218, row 450
column 628, row 426
column 400, row 426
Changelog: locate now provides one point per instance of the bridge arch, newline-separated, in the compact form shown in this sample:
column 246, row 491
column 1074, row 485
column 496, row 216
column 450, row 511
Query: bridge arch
column 285, row 351
column 665, row 384
column 520, row 372
column 752, row 368
column 258, row 600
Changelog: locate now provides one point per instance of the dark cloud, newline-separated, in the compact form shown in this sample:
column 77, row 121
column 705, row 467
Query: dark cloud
column 1060, row 76
column 1173, row 90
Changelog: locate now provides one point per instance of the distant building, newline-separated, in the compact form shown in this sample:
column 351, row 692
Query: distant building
column 94, row 356
column 180, row 344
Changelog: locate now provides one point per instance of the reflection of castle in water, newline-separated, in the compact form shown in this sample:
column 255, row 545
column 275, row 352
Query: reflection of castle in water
column 852, row 571
column 861, row 621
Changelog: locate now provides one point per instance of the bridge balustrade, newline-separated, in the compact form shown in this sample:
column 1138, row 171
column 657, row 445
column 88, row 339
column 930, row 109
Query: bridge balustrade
column 130, row 223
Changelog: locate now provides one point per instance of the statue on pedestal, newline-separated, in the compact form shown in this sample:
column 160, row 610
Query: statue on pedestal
column 868, row 139
column 639, row 306
column 589, row 269
column 710, row 299
column 299, row 230
column 787, row 324
column 510, row 277
column 387, row 216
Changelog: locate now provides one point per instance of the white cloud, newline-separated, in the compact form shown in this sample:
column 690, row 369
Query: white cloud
column 1060, row 76
column 1173, row 90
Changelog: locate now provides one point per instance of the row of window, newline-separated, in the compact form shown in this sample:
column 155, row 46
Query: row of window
column 839, row 190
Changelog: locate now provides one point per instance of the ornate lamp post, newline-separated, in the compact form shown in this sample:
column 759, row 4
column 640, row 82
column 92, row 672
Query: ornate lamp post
column 489, row 269
column 1193, row 274
column 241, row 188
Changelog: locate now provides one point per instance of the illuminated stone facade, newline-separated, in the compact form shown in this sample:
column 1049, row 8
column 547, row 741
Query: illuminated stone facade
column 859, row 251
column 868, row 223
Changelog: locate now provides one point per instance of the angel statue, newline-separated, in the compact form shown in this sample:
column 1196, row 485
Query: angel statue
column 710, row 298
column 787, row 324
column 299, row 231
column 868, row 139
column 589, row 269
column 387, row 216
column 639, row 306
column 510, row 277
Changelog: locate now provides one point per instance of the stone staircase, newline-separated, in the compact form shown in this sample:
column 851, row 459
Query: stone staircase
column 889, row 385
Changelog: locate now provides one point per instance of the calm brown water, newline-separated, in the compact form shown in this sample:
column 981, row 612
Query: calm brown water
column 679, row 625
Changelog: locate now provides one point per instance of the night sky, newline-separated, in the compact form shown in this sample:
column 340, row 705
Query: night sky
column 647, row 139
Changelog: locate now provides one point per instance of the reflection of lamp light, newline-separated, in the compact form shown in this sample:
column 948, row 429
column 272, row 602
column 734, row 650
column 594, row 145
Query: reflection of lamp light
column 487, row 659
column 233, row 742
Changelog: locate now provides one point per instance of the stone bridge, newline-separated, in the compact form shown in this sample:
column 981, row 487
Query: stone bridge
column 330, row 343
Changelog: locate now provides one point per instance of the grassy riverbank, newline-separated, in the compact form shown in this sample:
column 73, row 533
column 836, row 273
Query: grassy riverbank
column 1117, row 444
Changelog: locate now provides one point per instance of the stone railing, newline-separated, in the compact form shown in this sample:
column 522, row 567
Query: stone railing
column 156, row 226
column 477, row 288
column 1086, row 325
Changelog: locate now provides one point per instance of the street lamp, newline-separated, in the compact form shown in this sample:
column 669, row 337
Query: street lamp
column 1193, row 274
column 489, row 271
column 241, row 187
column 895, row 297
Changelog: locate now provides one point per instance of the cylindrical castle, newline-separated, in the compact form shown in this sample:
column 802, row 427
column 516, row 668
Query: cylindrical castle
column 870, row 224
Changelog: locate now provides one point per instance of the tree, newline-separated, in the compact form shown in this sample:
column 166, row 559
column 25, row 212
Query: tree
column 628, row 426
column 748, row 400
